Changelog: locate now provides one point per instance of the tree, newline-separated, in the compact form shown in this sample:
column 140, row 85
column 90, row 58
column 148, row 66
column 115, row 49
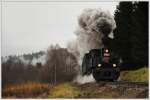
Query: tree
column 140, row 30
column 60, row 65
column 123, row 32
column 131, row 34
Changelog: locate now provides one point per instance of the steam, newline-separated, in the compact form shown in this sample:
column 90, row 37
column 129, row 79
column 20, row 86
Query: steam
column 84, row 79
column 94, row 24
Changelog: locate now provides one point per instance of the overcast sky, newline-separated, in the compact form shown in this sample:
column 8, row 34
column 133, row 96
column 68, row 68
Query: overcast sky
column 33, row 26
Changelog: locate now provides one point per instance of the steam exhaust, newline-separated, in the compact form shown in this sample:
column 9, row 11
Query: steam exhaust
column 93, row 25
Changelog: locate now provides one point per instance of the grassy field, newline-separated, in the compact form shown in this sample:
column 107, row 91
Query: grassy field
column 140, row 75
column 29, row 89
column 65, row 90
column 74, row 90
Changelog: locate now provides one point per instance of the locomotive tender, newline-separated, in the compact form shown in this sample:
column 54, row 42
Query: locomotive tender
column 102, row 63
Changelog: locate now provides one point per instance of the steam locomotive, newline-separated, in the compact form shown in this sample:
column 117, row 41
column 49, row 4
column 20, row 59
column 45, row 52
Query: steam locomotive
column 102, row 63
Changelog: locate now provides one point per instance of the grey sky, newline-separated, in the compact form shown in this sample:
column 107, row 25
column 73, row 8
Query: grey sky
column 32, row 26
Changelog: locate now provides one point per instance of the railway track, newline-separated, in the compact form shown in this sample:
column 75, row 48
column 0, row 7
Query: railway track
column 117, row 89
column 118, row 84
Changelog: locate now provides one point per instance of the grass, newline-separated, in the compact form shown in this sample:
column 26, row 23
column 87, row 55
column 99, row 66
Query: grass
column 140, row 75
column 64, row 90
column 29, row 89
column 72, row 90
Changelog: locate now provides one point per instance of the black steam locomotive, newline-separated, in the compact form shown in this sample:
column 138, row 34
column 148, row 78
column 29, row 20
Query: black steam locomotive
column 102, row 63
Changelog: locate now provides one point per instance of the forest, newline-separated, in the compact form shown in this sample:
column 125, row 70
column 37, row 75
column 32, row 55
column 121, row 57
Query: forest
column 131, row 34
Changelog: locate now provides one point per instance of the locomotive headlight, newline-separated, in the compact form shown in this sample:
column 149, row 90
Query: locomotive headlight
column 106, row 50
column 114, row 65
column 99, row 65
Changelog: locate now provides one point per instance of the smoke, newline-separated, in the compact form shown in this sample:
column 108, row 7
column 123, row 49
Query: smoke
column 93, row 24
column 84, row 79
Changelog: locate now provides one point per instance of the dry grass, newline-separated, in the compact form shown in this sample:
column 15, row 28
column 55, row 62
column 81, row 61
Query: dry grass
column 70, row 90
column 25, row 90
column 64, row 90
column 140, row 75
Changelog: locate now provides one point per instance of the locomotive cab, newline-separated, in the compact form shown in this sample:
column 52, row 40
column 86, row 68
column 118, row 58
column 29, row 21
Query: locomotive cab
column 102, row 63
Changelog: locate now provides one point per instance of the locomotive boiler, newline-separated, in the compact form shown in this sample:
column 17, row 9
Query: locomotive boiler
column 103, row 63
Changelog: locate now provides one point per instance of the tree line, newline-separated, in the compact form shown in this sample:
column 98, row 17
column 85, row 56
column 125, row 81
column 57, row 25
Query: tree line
column 131, row 34
column 60, row 66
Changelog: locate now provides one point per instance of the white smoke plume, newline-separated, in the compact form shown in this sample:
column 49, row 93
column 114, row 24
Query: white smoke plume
column 84, row 79
column 94, row 24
